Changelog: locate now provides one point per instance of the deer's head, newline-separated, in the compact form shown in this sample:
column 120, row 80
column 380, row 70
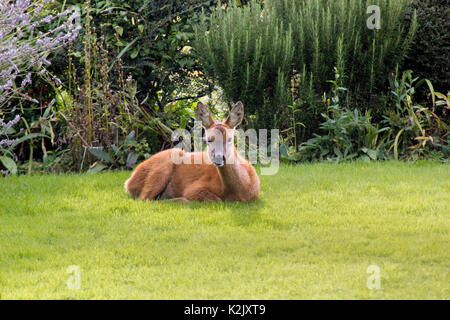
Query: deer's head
column 220, row 135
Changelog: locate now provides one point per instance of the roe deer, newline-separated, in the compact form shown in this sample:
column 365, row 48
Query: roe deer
column 222, row 173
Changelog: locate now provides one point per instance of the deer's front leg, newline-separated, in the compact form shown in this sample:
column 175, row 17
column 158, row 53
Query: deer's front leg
column 200, row 194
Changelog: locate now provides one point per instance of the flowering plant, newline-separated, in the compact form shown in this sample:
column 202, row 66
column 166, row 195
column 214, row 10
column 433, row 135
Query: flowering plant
column 24, row 48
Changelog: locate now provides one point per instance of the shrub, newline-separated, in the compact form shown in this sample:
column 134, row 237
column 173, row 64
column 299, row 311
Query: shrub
column 252, row 52
column 96, row 106
column 430, row 50
column 345, row 134
column 100, row 110
column 29, row 33
column 248, row 53
column 335, row 33
column 125, row 73
column 414, row 131
column 409, row 131
column 24, row 47
column 148, row 37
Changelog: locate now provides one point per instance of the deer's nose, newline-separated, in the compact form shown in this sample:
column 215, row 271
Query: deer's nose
column 219, row 161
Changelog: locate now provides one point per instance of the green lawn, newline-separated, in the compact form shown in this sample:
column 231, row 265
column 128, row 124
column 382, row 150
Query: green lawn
column 312, row 235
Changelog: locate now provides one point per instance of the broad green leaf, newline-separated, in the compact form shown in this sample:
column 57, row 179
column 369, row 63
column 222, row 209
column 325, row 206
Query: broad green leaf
column 102, row 155
column 134, row 53
column 9, row 164
column 29, row 137
column 97, row 168
column 440, row 95
column 430, row 86
column 122, row 52
column 372, row 154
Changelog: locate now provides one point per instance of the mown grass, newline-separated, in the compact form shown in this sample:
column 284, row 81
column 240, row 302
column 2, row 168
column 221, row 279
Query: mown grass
column 312, row 235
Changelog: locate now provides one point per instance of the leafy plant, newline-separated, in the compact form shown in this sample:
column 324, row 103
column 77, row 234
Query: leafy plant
column 151, row 38
column 249, row 54
column 125, row 155
column 413, row 127
column 127, row 72
column 8, row 143
column 347, row 134
column 253, row 51
column 288, row 147
column 29, row 34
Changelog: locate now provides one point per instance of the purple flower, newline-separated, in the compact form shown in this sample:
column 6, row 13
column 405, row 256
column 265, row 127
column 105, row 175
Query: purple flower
column 27, row 80
column 47, row 19
column 21, row 53
column 7, row 142
column 5, row 126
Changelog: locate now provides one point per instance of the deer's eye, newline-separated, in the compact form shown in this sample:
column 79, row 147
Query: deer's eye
column 209, row 139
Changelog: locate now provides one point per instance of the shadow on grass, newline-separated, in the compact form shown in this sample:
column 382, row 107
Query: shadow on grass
column 241, row 213
column 246, row 213
column 255, row 213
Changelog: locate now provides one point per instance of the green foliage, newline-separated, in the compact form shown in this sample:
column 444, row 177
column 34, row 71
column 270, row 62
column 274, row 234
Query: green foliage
column 345, row 134
column 125, row 155
column 130, row 70
column 335, row 33
column 9, row 164
column 10, row 138
column 409, row 132
column 249, row 54
column 415, row 130
column 128, row 74
column 148, row 36
column 252, row 52
column 429, row 55
column 35, row 143
column 99, row 118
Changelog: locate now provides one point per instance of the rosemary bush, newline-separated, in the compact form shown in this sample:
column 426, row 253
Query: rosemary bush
column 249, row 53
column 252, row 52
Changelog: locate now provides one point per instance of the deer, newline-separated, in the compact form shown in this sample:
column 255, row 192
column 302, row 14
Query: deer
column 221, row 175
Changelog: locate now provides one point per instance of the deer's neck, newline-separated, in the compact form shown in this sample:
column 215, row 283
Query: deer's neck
column 235, row 176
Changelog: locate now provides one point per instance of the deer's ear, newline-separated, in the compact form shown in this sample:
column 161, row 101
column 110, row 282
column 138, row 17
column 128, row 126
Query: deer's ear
column 204, row 115
column 236, row 115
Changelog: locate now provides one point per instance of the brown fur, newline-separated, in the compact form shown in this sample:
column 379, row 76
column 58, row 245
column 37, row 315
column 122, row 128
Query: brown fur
column 159, row 177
